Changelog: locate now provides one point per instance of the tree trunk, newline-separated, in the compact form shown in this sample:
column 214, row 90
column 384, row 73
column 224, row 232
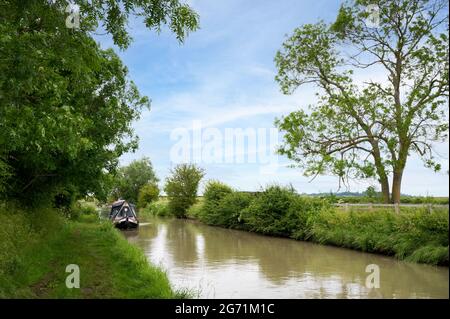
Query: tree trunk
column 381, row 172
column 396, row 186
column 384, row 182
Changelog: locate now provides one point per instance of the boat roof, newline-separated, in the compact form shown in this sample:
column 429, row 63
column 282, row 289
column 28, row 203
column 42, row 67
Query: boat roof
column 118, row 203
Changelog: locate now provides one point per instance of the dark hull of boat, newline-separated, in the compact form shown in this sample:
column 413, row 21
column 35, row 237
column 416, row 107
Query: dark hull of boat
column 126, row 225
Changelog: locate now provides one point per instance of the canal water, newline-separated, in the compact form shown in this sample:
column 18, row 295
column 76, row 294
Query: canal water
column 222, row 263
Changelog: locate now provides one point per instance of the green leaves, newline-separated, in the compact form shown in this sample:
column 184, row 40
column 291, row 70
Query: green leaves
column 132, row 178
column 345, row 21
column 114, row 17
column 359, row 129
column 181, row 188
column 306, row 55
column 66, row 106
column 148, row 194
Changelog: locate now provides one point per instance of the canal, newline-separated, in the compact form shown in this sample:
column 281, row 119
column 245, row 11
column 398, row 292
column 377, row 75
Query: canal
column 222, row 263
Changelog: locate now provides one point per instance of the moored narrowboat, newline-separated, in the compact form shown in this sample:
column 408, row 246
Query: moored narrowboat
column 123, row 215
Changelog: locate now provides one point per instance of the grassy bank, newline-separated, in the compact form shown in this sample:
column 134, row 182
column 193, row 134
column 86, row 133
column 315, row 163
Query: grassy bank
column 36, row 246
column 414, row 234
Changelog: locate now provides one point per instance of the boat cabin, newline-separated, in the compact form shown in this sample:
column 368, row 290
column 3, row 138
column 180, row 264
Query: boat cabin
column 123, row 215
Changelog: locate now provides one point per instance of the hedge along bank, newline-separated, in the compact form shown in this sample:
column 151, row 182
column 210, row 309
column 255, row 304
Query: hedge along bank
column 413, row 235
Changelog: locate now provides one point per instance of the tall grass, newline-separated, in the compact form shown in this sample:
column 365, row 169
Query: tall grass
column 416, row 235
column 37, row 245
column 21, row 234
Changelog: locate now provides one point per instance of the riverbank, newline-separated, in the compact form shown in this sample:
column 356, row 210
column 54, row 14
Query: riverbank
column 414, row 234
column 36, row 246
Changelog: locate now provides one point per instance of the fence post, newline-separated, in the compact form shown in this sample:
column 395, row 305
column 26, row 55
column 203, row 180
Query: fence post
column 397, row 207
column 371, row 207
column 429, row 208
column 346, row 207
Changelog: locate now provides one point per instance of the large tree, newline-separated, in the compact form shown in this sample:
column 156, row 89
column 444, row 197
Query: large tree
column 181, row 188
column 66, row 105
column 368, row 129
column 131, row 178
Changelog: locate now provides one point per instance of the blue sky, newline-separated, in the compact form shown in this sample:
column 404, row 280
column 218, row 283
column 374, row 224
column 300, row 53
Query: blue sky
column 223, row 76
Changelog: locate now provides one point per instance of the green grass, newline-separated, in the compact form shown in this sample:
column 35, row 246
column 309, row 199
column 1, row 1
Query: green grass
column 33, row 263
column 413, row 235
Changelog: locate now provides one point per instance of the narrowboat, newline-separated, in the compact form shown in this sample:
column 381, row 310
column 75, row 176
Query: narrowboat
column 123, row 215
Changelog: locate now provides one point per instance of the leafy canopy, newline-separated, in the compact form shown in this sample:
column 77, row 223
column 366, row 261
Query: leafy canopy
column 148, row 194
column 132, row 178
column 368, row 128
column 66, row 105
column 181, row 187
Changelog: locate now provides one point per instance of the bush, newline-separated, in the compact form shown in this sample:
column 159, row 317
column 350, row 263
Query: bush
column 155, row 209
column 301, row 216
column 147, row 194
column 195, row 210
column 222, row 206
column 266, row 214
column 214, row 192
column 82, row 208
column 275, row 211
column 230, row 209
column 181, row 188
column 280, row 211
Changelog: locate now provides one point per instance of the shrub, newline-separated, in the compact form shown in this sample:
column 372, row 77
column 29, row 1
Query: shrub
column 155, row 209
column 195, row 210
column 81, row 208
column 266, row 213
column 230, row 209
column 181, row 188
column 301, row 216
column 214, row 192
column 222, row 206
column 147, row 194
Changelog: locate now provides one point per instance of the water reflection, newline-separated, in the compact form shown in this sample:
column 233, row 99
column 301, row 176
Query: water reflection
column 223, row 263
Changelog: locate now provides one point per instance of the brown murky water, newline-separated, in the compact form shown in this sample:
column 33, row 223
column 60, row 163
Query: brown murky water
column 223, row 263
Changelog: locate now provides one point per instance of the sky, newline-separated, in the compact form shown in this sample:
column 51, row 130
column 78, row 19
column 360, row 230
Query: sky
column 221, row 82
